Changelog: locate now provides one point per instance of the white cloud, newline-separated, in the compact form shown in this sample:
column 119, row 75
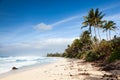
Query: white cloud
column 111, row 6
column 65, row 20
column 43, row 27
column 37, row 47
column 114, row 17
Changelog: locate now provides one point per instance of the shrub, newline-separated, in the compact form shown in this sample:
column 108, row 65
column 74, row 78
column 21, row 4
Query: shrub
column 54, row 55
column 64, row 55
column 90, row 56
column 83, row 55
column 78, row 55
column 114, row 56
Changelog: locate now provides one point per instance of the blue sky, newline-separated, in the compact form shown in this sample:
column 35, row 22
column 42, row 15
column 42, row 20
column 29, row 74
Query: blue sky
column 37, row 27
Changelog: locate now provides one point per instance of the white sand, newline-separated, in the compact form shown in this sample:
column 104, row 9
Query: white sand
column 64, row 69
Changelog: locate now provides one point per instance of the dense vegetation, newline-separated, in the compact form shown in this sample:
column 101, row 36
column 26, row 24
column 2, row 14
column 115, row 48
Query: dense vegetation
column 86, row 48
column 92, row 47
column 54, row 55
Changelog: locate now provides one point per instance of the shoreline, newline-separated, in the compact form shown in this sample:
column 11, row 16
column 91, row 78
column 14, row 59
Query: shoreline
column 63, row 69
column 26, row 68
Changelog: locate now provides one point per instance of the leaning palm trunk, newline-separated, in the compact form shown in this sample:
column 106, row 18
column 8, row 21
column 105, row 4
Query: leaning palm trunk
column 90, row 30
column 96, row 42
column 95, row 32
column 109, row 35
column 99, row 34
column 106, row 35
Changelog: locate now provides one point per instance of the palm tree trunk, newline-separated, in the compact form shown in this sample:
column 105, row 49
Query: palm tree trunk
column 99, row 34
column 95, row 32
column 109, row 35
column 90, row 30
column 106, row 35
column 96, row 43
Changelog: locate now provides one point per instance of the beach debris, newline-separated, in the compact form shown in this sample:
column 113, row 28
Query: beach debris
column 108, row 68
column 83, row 74
column 70, row 74
column 64, row 69
column 111, row 67
column 79, row 69
column 112, row 76
column 14, row 68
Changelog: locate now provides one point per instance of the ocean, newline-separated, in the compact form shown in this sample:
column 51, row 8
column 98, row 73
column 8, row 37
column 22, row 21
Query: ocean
column 7, row 62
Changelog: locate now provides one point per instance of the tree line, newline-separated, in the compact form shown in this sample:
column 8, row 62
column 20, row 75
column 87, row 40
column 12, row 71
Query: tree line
column 92, row 47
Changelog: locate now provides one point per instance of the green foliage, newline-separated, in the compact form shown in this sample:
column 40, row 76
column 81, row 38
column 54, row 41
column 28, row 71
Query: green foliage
column 91, row 48
column 108, row 26
column 78, row 55
column 54, row 55
column 90, row 56
column 64, row 55
column 106, row 50
column 85, row 39
column 79, row 45
column 73, row 49
column 104, row 47
column 114, row 56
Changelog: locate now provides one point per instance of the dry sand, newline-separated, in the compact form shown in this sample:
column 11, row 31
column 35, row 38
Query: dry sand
column 63, row 69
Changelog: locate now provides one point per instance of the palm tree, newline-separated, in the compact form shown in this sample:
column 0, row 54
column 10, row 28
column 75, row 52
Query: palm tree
column 108, row 26
column 93, row 19
column 98, row 16
column 88, row 21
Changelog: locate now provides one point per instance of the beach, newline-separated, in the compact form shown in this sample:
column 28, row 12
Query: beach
column 63, row 69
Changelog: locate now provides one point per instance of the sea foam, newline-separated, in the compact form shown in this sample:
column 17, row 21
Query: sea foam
column 6, row 63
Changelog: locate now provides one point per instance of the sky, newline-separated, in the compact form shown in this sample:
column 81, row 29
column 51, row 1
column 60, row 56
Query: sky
column 37, row 27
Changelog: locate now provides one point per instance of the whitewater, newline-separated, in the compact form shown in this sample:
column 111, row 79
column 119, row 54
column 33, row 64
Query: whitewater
column 7, row 62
